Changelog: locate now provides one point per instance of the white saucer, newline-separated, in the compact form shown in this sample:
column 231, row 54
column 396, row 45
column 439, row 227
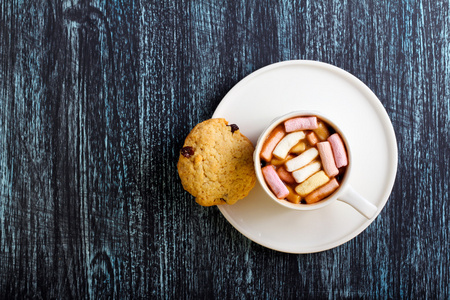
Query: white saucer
column 307, row 85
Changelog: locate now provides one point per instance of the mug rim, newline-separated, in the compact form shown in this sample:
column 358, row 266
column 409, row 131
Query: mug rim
column 257, row 161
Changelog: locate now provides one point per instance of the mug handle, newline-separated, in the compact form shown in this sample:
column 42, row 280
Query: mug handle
column 351, row 197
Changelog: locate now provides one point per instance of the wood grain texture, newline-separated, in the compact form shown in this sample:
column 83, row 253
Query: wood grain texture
column 96, row 98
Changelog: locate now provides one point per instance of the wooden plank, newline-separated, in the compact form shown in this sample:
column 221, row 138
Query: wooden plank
column 96, row 99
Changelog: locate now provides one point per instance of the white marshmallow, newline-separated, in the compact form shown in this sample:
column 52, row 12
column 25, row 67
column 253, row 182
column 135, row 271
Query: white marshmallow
column 305, row 172
column 302, row 160
column 289, row 141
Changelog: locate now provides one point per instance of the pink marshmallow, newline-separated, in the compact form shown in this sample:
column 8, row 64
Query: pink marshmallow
column 326, row 155
column 337, row 145
column 273, row 180
column 285, row 175
column 301, row 123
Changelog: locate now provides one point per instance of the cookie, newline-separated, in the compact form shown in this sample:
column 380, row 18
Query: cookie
column 216, row 163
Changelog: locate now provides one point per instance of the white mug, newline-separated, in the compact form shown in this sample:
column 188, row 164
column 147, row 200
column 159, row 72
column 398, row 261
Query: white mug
column 344, row 193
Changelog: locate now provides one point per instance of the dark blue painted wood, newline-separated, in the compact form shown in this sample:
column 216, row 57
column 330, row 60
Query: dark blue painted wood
column 96, row 98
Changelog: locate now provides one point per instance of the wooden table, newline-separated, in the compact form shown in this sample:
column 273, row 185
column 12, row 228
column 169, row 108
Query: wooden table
column 96, row 98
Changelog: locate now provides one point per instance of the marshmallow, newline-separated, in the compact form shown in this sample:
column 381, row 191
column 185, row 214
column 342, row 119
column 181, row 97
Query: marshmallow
column 271, row 142
column 300, row 123
column 305, row 172
column 322, row 192
column 300, row 147
column 312, row 138
column 301, row 160
column 278, row 162
column 326, row 155
column 340, row 155
column 322, row 131
column 285, row 175
column 276, row 185
column 312, row 183
column 290, row 140
column 293, row 197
